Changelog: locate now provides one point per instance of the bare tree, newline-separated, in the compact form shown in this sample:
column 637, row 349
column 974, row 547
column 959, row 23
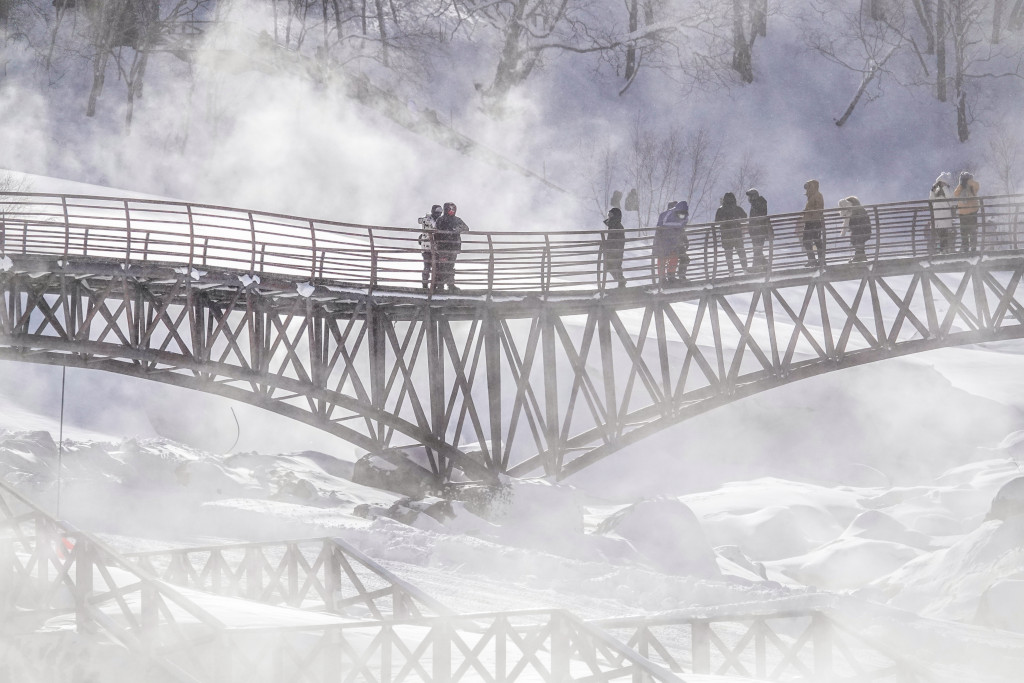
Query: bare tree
column 1007, row 152
column 852, row 38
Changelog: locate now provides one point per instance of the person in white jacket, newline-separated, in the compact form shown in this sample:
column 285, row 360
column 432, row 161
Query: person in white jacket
column 943, row 209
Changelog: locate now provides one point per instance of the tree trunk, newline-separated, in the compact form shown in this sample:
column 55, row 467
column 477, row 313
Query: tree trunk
column 940, row 50
column 631, row 48
column 99, row 68
column 962, row 130
column 758, row 18
column 998, row 9
column 923, row 8
column 383, row 31
column 959, row 77
column 741, row 61
column 513, row 65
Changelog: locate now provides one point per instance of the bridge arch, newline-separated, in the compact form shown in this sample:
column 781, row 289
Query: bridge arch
column 534, row 367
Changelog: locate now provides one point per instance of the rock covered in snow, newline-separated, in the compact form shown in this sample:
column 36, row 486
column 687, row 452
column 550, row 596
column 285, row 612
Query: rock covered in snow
column 393, row 470
column 1009, row 501
column 667, row 533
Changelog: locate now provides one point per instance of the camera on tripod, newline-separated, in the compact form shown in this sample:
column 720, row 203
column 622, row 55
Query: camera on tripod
column 426, row 221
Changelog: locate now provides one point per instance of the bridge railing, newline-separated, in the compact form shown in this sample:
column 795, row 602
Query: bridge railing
column 50, row 570
column 325, row 574
column 197, row 238
column 773, row 644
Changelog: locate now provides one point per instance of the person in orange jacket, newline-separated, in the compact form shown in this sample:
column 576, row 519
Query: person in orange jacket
column 967, row 207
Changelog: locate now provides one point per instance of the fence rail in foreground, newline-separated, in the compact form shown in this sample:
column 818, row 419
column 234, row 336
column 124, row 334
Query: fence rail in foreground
column 197, row 237
column 49, row 570
column 325, row 574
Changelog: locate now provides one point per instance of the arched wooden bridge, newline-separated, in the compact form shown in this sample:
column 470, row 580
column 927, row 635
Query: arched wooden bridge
column 534, row 367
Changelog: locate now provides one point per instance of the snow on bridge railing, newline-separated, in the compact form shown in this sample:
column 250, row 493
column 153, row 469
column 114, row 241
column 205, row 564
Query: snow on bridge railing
column 200, row 237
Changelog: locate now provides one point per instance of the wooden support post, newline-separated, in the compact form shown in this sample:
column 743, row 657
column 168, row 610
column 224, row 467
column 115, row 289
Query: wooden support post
column 822, row 629
column 442, row 652
column 561, row 649
column 551, row 431
column 84, row 557
column 492, row 358
column 435, row 374
column 700, row 634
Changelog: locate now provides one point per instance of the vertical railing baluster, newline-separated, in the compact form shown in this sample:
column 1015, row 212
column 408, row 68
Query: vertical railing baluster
column 913, row 234
column 128, row 241
column 191, row 239
column 878, row 233
column 982, row 225
column 252, row 244
column 545, row 272
column 67, row 227
column 490, row 263
column 312, row 240
column 373, row 260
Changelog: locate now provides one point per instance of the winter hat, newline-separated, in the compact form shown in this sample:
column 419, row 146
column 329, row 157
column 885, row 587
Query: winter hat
column 435, row 211
column 964, row 177
column 752, row 192
column 729, row 198
column 852, row 201
column 682, row 207
column 615, row 212
column 944, row 177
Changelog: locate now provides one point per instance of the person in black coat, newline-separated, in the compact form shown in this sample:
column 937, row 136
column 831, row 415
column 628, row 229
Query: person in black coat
column 858, row 225
column 760, row 227
column 728, row 217
column 448, row 243
column 613, row 243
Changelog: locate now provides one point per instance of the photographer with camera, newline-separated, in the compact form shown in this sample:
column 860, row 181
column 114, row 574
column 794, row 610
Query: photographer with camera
column 448, row 243
column 426, row 242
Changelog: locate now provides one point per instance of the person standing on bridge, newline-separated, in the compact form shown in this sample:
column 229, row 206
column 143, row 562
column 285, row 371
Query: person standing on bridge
column 967, row 208
column 728, row 217
column 760, row 227
column 613, row 243
column 944, row 235
column 814, row 225
column 426, row 242
column 857, row 223
column 448, row 242
column 670, row 241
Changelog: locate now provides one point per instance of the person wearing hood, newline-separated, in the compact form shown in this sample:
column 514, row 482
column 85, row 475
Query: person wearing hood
column 728, row 217
column 857, row 223
column 760, row 227
column 814, row 225
column 670, row 240
column 613, row 243
column 967, row 207
column 448, row 243
column 943, row 232
column 426, row 241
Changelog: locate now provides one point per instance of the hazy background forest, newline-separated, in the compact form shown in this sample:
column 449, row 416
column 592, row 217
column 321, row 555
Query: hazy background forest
column 523, row 111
